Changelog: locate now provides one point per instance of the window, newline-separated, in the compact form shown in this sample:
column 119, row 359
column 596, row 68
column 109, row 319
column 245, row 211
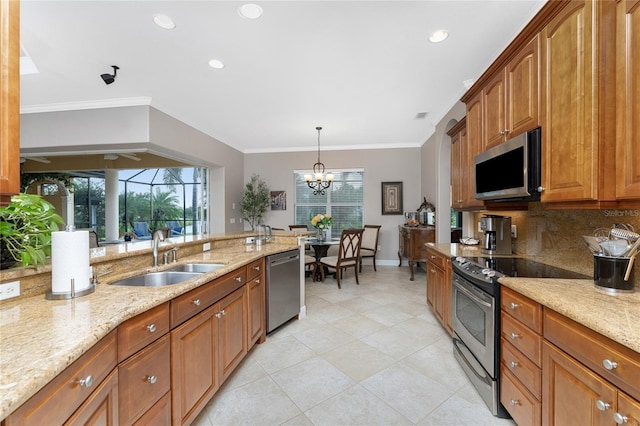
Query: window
column 344, row 201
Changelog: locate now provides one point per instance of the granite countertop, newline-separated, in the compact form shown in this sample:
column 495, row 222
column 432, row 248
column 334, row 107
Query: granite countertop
column 616, row 316
column 39, row 338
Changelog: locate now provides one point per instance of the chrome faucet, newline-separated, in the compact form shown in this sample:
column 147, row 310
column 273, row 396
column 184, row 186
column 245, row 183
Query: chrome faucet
column 157, row 237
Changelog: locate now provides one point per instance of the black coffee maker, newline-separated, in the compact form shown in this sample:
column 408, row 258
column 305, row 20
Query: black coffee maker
column 497, row 234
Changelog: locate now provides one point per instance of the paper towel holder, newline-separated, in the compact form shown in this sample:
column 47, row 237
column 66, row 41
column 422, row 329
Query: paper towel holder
column 65, row 295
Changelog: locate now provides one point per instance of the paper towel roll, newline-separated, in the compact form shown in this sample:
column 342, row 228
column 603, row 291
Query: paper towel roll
column 69, row 259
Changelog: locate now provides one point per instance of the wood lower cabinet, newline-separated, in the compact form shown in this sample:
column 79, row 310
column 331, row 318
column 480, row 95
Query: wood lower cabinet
column 572, row 393
column 439, row 290
column 582, row 378
column 194, row 369
column 101, row 408
column 521, row 357
column 411, row 244
column 78, row 387
column 205, row 350
column 144, row 379
column 628, row 100
column 256, row 303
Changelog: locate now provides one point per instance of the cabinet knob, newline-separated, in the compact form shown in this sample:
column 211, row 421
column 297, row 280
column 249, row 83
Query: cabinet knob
column 541, row 188
column 256, row 268
column 609, row 365
column 151, row 328
column 257, row 280
column 221, row 314
column 602, row 406
column 620, row 419
column 514, row 402
column 238, row 279
column 513, row 305
column 196, row 302
column 514, row 364
column 152, row 379
column 514, row 335
column 86, row 382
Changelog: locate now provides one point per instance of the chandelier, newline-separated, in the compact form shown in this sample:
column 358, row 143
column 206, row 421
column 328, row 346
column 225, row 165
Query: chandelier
column 317, row 181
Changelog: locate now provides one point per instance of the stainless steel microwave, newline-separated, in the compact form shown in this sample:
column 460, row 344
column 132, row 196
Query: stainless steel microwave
column 510, row 171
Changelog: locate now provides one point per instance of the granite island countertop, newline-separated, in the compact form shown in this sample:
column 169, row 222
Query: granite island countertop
column 616, row 316
column 39, row 338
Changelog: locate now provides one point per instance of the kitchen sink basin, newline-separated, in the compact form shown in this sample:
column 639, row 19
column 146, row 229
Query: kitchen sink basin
column 157, row 279
column 197, row 267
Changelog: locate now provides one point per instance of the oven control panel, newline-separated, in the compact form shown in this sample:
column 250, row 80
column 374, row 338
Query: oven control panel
column 468, row 269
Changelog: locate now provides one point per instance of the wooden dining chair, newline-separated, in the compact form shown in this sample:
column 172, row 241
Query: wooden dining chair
column 348, row 254
column 369, row 245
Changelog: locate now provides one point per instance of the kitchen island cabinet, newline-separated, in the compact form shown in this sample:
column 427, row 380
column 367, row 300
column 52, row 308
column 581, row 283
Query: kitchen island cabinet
column 85, row 389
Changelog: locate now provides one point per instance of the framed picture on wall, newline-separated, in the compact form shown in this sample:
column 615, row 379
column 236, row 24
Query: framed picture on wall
column 391, row 197
column 278, row 200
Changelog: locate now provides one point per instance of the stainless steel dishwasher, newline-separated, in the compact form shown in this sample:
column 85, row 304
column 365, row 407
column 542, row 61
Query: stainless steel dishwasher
column 283, row 288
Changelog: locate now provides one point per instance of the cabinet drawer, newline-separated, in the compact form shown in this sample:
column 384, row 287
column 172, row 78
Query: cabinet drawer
column 197, row 300
column 159, row 414
column 521, row 404
column 57, row 401
column 254, row 269
column 595, row 351
column 523, row 309
column 436, row 258
column 523, row 338
column 144, row 379
column 139, row 331
column 522, row 368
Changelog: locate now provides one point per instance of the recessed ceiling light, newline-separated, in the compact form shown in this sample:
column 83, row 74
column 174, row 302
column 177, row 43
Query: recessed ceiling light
column 250, row 11
column 163, row 21
column 438, row 36
column 215, row 63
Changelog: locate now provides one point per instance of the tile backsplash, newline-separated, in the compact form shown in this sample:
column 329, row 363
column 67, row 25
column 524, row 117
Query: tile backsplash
column 555, row 236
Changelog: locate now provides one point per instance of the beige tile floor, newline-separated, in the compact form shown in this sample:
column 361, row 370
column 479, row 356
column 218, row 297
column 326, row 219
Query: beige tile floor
column 371, row 354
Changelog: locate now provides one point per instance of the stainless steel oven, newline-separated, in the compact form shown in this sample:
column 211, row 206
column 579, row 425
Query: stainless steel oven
column 474, row 321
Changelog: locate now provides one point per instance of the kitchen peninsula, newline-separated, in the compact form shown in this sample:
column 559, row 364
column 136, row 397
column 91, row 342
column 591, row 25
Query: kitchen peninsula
column 41, row 338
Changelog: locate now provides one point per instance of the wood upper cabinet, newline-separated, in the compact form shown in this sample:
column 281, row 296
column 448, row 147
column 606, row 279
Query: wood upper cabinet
column 474, row 145
column 628, row 101
column 458, row 135
column 9, row 99
column 523, row 90
column 511, row 97
column 494, row 96
column 578, row 117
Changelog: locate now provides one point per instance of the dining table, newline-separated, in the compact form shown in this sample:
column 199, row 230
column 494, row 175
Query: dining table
column 320, row 250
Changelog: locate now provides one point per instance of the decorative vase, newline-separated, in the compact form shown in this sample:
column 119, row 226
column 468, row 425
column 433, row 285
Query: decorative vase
column 320, row 234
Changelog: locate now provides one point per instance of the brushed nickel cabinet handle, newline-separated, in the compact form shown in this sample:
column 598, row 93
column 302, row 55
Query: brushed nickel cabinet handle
column 151, row 328
column 86, row 382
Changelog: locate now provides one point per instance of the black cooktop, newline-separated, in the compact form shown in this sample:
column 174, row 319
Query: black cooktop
column 518, row 267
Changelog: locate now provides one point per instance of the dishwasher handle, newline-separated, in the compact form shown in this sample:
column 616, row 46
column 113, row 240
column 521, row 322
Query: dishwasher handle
column 287, row 259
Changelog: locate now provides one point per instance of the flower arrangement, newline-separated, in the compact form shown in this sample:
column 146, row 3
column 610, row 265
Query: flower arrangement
column 322, row 221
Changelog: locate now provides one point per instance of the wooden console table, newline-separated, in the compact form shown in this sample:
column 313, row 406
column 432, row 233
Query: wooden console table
column 412, row 244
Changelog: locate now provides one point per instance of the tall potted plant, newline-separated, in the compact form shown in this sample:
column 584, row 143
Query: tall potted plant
column 255, row 201
column 25, row 230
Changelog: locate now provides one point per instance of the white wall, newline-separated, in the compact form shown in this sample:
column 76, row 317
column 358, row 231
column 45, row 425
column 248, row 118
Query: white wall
column 141, row 127
column 436, row 171
column 380, row 165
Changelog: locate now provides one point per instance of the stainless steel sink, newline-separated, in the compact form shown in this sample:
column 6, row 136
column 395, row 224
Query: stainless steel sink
column 157, row 279
column 197, row 267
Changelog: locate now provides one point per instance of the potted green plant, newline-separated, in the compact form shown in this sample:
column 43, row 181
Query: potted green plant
column 255, row 201
column 25, row 230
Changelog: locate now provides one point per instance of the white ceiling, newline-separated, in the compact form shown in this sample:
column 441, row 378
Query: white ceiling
column 361, row 69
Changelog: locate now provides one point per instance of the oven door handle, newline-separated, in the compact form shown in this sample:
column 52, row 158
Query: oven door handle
column 472, row 296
